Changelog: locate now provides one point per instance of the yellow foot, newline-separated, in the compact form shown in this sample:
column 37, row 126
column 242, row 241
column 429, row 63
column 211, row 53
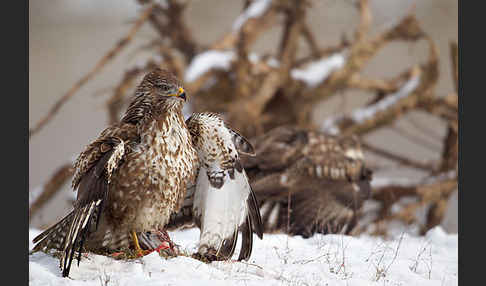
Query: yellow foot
column 138, row 249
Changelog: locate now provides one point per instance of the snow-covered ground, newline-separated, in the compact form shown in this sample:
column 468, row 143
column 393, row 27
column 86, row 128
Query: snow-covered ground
column 276, row 260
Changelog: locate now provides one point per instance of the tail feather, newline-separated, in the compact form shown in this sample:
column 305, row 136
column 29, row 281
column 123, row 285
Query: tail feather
column 246, row 240
column 254, row 214
column 52, row 238
column 78, row 231
column 69, row 234
column 252, row 224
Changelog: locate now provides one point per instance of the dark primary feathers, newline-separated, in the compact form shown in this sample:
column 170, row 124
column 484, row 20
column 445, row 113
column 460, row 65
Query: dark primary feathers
column 94, row 168
column 325, row 176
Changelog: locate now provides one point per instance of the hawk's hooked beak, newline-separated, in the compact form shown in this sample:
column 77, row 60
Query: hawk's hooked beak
column 182, row 93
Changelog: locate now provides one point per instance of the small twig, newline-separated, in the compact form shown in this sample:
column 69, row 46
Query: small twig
column 396, row 253
column 415, row 139
column 310, row 39
column 288, row 215
column 381, row 272
column 169, row 23
column 432, row 133
column 253, row 27
column 365, row 20
column 429, row 167
column 343, row 263
column 98, row 67
column 322, row 53
column 414, row 266
column 310, row 260
column 374, row 85
column 251, row 264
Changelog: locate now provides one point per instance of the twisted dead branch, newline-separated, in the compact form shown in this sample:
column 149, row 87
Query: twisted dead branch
column 259, row 92
column 51, row 187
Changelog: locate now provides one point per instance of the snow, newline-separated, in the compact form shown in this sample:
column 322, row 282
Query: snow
column 212, row 59
column 206, row 61
column 254, row 10
column 254, row 57
column 316, row 72
column 362, row 114
column 276, row 260
column 273, row 62
column 329, row 125
column 449, row 175
column 379, row 182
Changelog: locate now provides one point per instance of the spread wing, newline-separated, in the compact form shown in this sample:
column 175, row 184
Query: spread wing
column 222, row 202
column 321, row 179
column 94, row 168
column 184, row 218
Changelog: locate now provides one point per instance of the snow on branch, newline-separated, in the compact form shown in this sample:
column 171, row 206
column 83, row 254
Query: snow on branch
column 334, row 125
column 330, row 125
column 381, row 182
column 365, row 113
column 317, row 72
column 207, row 61
column 213, row 60
column 254, row 10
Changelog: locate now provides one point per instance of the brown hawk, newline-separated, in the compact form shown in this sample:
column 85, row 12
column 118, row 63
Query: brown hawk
column 222, row 201
column 324, row 176
column 132, row 177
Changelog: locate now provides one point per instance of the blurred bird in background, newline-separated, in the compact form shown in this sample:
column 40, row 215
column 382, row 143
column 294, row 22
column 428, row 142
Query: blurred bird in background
column 308, row 182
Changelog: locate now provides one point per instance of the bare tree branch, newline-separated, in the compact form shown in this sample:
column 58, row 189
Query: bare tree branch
column 425, row 166
column 97, row 68
column 53, row 185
